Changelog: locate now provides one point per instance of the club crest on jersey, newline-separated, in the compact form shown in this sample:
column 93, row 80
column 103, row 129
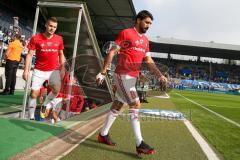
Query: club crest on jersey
column 137, row 42
column 141, row 41
column 49, row 44
column 126, row 44
column 42, row 45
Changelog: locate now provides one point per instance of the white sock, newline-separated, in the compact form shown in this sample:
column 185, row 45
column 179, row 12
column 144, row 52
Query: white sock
column 31, row 107
column 135, row 124
column 49, row 98
column 112, row 115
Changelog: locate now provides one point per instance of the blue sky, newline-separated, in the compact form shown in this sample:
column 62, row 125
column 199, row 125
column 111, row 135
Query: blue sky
column 198, row 20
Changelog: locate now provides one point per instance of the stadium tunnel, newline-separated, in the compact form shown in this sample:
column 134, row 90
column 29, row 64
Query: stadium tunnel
column 77, row 24
column 105, row 22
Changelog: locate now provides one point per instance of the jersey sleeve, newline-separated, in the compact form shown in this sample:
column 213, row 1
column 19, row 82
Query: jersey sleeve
column 120, row 38
column 61, row 46
column 147, row 53
column 32, row 44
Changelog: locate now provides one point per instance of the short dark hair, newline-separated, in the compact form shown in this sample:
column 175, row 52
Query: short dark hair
column 144, row 14
column 53, row 19
column 17, row 36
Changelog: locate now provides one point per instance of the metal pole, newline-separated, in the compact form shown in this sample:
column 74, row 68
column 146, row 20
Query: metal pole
column 95, row 47
column 74, row 55
column 91, row 35
column 1, row 54
column 59, row 4
column 30, row 65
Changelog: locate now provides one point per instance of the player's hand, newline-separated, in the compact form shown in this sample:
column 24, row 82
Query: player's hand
column 100, row 78
column 41, row 100
column 163, row 78
column 25, row 75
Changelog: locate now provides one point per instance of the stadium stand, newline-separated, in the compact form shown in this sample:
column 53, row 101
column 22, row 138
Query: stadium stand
column 199, row 75
column 201, row 70
column 6, row 22
column 6, row 32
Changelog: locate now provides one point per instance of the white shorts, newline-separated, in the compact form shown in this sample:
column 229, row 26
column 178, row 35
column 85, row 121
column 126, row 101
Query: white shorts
column 125, row 88
column 54, row 104
column 39, row 77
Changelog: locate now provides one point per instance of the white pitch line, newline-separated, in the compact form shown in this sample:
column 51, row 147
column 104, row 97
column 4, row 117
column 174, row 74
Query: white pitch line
column 211, row 155
column 217, row 114
column 165, row 96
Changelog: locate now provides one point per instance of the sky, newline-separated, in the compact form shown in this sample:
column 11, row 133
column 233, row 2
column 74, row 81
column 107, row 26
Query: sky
column 197, row 20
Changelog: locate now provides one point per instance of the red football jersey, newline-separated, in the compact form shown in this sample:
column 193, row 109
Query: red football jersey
column 76, row 98
column 47, row 51
column 133, row 49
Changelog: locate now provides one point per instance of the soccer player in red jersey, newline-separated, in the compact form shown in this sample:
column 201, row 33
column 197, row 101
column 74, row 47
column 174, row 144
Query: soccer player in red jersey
column 75, row 99
column 49, row 63
column 132, row 50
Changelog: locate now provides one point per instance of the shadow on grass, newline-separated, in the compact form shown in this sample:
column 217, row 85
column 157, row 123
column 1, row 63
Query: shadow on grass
column 33, row 128
column 36, row 126
column 10, row 100
column 95, row 145
column 18, row 135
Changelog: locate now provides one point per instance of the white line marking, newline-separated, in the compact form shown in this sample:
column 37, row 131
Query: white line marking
column 165, row 96
column 217, row 114
column 211, row 155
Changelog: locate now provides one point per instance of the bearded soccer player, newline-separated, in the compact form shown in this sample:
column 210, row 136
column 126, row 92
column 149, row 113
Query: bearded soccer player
column 132, row 50
column 49, row 63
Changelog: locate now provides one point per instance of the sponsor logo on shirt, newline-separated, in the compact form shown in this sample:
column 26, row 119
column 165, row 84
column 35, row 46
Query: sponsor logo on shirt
column 139, row 49
column 49, row 50
column 137, row 42
column 49, row 44
column 141, row 41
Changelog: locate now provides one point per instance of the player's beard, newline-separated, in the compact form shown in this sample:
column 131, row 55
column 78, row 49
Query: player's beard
column 51, row 31
column 143, row 29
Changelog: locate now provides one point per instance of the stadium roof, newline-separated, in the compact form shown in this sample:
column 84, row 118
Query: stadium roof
column 195, row 48
column 108, row 16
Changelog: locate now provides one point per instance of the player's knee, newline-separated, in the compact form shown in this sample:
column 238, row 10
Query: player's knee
column 34, row 94
column 55, row 92
column 135, row 105
column 55, row 89
column 117, row 105
column 47, row 113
